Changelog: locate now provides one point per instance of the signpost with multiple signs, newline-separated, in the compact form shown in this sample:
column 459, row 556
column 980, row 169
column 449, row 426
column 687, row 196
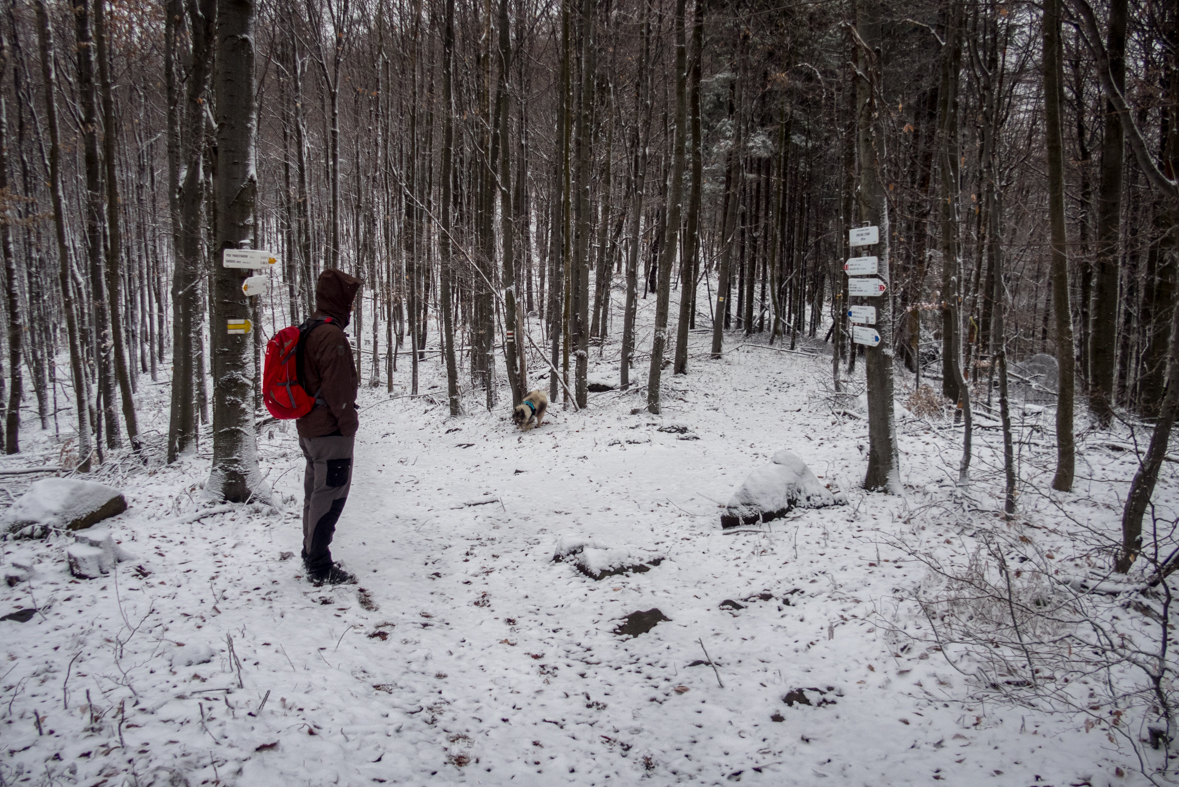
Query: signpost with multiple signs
column 258, row 284
column 862, row 282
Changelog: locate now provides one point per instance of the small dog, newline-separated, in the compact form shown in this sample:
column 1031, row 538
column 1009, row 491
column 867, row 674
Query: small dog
column 530, row 410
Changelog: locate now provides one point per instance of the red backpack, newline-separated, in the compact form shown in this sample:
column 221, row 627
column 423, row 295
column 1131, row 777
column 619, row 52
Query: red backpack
column 282, row 373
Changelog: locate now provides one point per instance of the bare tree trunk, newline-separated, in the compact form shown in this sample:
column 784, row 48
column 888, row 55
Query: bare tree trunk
column 107, row 422
column 447, row 241
column 883, row 471
column 113, row 230
column 1103, row 335
column 691, row 261
column 188, row 269
column 234, row 475
column 733, row 191
column 948, row 166
column 579, row 284
column 12, row 293
column 559, row 209
column 675, row 200
column 1053, row 100
column 515, row 344
column 640, row 140
column 81, row 383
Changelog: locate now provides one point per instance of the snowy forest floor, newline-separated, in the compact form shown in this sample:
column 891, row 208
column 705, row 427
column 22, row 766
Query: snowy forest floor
column 466, row 655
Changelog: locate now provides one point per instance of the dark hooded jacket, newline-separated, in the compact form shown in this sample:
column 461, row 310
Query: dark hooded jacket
column 328, row 370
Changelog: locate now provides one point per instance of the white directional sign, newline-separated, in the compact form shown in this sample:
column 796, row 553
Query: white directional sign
column 860, row 266
column 863, row 236
column 863, row 335
column 862, row 314
column 239, row 326
column 869, row 287
column 256, row 285
column 248, row 258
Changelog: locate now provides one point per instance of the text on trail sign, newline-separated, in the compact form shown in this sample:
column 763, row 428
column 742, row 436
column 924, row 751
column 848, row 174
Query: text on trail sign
column 863, row 236
column 248, row 258
column 860, row 266
column 869, row 287
column 865, row 335
column 862, row 314
column 256, row 285
column 239, row 326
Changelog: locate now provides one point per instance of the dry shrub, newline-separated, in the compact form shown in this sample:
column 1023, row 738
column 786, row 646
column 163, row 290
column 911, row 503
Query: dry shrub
column 926, row 403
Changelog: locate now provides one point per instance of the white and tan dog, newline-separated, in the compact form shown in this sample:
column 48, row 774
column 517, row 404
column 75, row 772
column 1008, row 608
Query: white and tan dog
column 531, row 411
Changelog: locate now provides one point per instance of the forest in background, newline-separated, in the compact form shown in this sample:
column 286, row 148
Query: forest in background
column 500, row 172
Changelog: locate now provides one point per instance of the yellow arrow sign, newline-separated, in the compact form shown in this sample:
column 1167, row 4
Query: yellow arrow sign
column 239, row 326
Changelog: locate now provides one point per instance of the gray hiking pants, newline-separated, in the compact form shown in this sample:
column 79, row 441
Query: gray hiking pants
column 326, row 481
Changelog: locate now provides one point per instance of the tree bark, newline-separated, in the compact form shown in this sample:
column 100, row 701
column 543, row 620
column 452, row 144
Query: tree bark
column 1053, row 101
column 447, row 240
column 107, row 424
column 579, row 285
column 114, row 233
column 234, row 476
column 675, row 199
column 81, row 382
column 11, row 290
column 188, row 270
column 691, row 252
column 1103, row 334
column 883, row 473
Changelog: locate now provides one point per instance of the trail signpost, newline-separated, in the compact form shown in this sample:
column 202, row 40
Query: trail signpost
column 248, row 258
column 256, row 285
column 865, row 315
column 863, row 236
column 860, row 266
column 239, row 326
column 869, row 287
column 862, row 334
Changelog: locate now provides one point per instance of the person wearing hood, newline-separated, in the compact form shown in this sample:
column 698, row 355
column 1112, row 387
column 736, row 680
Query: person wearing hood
column 327, row 434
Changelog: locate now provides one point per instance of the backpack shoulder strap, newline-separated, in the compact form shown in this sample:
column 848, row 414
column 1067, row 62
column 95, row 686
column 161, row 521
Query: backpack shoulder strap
column 304, row 330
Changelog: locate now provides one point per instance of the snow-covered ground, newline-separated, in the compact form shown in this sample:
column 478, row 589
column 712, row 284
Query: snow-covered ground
column 468, row 655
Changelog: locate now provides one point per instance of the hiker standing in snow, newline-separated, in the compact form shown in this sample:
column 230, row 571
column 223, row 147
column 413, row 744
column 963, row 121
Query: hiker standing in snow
column 327, row 434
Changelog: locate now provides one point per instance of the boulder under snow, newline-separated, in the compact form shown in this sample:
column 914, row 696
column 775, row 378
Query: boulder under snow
column 771, row 491
column 63, row 503
column 94, row 554
column 598, row 562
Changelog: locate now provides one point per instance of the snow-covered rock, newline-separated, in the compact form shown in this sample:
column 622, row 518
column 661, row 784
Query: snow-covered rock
column 94, row 553
column 598, row 562
column 190, row 655
column 19, row 569
column 87, row 562
column 63, row 503
column 770, row 491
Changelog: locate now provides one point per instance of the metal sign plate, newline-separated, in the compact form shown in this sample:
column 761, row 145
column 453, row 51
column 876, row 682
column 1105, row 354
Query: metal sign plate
column 861, row 266
column 866, row 336
column 248, row 258
column 867, row 287
column 863, row 236
column 256, row 285
column 862, row 314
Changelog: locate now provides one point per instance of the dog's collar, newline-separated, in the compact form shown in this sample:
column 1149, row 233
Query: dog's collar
column 530, row 405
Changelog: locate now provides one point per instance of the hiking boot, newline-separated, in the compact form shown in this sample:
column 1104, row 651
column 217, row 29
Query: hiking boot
column 333, row 576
